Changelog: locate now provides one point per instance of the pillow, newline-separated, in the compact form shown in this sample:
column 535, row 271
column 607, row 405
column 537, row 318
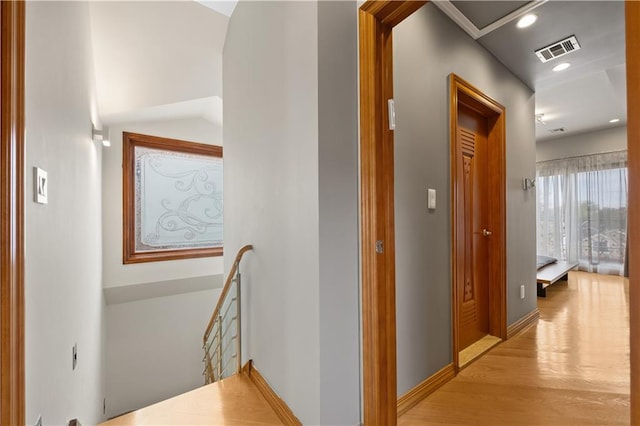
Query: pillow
column 543, row 261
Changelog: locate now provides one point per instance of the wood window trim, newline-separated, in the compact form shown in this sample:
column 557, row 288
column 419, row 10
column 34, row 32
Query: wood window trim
column 12, row 375
column 129, row 142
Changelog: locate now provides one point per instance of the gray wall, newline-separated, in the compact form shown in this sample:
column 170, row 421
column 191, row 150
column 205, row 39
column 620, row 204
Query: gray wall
column 607, row 140
column 270, row 111
column 338, row 192
column 64, row 302
column 290, row 190
column 427, row 48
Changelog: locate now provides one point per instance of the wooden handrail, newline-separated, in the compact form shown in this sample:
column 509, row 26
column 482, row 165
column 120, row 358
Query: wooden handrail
column 225, row 290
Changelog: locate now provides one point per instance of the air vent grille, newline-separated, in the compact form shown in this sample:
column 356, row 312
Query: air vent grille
column 557, row 49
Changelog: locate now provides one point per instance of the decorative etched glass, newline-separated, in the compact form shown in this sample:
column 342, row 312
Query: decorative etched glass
column 179, row 200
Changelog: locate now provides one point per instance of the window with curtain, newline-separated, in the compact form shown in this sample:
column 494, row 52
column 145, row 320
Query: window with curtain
column 582, row 211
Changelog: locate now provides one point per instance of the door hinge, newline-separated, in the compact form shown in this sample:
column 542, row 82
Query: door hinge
column 379, row 247
column 391, row 108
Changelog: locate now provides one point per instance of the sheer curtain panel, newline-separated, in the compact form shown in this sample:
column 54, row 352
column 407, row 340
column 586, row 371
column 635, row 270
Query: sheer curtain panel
column 582, row 211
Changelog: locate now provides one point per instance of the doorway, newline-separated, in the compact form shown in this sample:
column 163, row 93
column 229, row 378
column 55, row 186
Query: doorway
column 478, row 170
column 376, row 22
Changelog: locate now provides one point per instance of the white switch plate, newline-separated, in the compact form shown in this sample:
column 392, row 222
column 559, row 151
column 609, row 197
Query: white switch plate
column 40, row 185
column 74, row 356
column 391, row 106
column 431, row 199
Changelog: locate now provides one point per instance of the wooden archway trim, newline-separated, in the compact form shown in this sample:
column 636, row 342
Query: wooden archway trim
column 377, row 19
column 12, row 394
column 632, row 16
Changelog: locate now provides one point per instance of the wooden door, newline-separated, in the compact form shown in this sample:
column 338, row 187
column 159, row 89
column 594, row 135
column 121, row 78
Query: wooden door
column 472, row 194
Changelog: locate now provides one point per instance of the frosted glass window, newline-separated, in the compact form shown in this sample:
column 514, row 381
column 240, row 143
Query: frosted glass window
column 174, row 206
column 180, row 203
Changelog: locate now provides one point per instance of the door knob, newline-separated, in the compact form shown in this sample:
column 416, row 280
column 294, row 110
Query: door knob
column 486, row 233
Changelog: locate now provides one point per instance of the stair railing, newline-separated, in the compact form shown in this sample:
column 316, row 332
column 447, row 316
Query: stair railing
column 222, row 342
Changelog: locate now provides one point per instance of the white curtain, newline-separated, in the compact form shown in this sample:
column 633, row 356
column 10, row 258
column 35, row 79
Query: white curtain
column 582, row 211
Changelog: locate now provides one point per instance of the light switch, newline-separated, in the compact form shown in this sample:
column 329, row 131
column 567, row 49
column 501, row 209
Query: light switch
column 431, row 199
column 40, row 185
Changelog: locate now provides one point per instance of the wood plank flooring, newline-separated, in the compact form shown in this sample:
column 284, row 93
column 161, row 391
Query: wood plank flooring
column 572, row 368
column 232, row 401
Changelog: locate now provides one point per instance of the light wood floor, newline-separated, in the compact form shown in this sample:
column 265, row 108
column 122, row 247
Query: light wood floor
column 572, row 368
column 233, row 401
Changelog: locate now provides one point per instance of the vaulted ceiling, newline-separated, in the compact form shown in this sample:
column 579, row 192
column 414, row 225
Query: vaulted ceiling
column 158, row 60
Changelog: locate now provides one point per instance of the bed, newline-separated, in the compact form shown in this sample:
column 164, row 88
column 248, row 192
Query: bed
column 551, row 270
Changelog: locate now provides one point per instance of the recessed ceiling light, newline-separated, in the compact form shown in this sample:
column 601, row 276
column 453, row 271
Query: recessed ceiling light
column 614, row 120
column 561, row 67
column 526, row 21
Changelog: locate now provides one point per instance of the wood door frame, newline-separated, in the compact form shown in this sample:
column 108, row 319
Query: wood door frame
column 379, row 394
column 632, row 28
column 376, row 21
column 12, row 39
column 463, row 93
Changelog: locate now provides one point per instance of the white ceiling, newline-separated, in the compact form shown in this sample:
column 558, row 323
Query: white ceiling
column 226, row 7
column 158, row 60
column 581, row 99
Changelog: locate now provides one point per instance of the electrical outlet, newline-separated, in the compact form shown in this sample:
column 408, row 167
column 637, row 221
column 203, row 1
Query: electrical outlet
column 74, row 354
column 39, row 420
column 522, row 292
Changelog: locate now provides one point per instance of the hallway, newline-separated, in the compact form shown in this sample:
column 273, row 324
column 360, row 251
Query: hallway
column 572, row 368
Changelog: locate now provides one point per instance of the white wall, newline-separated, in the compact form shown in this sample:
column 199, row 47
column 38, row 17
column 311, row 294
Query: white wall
column 290, row 110
column 64, row 302
column 156, row 311
column 428, row 46
column 270, row 68
column 614, row 139
column 115, row 273
column 154, row 348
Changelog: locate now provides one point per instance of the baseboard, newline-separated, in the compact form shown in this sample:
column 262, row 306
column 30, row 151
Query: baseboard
column 424, row 389
column 277, row 404
column 523, row 323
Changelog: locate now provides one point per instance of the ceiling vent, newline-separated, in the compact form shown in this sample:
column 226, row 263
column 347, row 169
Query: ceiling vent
column 558, row 130
column 557, row 49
